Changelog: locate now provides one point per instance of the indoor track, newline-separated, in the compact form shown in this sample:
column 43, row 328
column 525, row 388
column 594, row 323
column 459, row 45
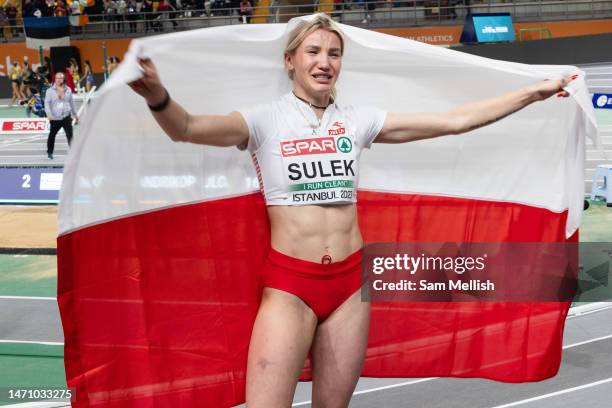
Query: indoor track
column 585, row 377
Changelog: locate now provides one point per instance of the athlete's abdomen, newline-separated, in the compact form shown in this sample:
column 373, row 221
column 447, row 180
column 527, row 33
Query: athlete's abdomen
column 310, row 232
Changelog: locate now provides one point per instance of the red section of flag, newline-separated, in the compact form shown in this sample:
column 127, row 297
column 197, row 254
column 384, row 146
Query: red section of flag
column 157, row 309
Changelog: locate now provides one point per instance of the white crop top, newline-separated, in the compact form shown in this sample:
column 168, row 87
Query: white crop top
column 300, row 163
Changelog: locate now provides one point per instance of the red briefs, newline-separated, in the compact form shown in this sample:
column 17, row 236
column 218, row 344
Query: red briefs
column 323, row 287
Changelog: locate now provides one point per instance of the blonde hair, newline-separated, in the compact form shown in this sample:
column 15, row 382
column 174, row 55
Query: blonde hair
column 304, row 29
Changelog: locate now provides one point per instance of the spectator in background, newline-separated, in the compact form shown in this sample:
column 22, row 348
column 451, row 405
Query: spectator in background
column 164, row 8
column 246, row 10
column 453, row 8
column 47, row 69
column 49, row 7
column 59, row 107
column 29, row 9
column 220, row 7
column 175, row 6
column 88, row 76
column 39, row 81
column 26, row 77
column 369, row 6
column 131, row 14
column 60, row 9
column 338, row 7
column 188, row 7
column 35, row 104
column 196, row 5
column 121, row 7
column 68, row 81
column 75, row 10
column 147, row 8
column 3, row 21
column 11, row 13
column 113, row 63
column 73, row 75
column 15, row 74
column 110, row 7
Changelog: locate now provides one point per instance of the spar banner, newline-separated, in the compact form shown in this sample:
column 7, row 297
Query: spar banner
column 23, row 126
column 159, row 268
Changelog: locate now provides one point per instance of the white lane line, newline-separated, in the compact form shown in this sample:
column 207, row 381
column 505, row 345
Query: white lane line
column 297, row 404
column 46, row 343
column 27, row 298
column 554, row 394
column 386, row 387
column 4, row 156
column 32, row 148
column 577, row 311
column 29, row 201
column 29, row 139
column 600, row 309
column 609, row 336
column 42, row 404
column 434, row 378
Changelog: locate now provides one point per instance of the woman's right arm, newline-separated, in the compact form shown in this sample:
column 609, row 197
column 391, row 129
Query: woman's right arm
column 180, row 125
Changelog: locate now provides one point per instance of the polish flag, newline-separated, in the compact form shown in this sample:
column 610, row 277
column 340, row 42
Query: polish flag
column 162, row 243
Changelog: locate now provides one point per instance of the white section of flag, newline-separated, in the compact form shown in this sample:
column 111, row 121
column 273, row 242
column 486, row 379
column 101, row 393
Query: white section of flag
column 534, row 157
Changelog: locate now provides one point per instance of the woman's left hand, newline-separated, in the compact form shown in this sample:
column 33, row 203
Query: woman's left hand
column 548, row 88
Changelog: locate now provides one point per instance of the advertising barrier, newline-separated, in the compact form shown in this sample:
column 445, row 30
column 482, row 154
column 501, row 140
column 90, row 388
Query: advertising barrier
column 30, row 185
column 24, row 126
column 602, row 101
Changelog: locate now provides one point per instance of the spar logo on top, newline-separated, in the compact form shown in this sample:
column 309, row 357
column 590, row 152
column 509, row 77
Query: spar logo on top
column 22, row 126
column 602, row 101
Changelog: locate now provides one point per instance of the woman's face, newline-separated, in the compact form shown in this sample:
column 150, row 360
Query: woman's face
column 316, row 63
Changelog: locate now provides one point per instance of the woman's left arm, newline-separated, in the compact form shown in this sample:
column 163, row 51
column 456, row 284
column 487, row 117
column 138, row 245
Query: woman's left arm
column 407, row 127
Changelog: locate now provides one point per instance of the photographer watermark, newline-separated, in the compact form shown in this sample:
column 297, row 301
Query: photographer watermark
column 481, row 271
column 30, row 394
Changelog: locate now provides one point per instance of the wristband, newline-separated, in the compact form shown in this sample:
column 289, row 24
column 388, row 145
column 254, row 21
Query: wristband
column 162, row 105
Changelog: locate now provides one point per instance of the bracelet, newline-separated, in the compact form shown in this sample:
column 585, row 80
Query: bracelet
column 162, row 105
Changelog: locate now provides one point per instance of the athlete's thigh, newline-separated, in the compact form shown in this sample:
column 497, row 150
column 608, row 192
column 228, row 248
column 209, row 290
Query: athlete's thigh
column 282, row 335
column 338, row 351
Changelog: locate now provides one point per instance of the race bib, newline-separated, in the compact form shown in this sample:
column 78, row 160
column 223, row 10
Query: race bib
column 320, row 169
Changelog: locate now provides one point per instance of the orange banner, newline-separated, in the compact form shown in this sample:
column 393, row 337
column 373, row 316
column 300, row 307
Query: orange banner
column 92, row 50
column 449, row 35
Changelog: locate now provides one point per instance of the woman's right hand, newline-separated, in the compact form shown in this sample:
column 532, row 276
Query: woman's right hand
column 149, row 86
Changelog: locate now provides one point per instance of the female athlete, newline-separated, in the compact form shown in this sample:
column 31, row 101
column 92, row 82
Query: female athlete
column 306, row 150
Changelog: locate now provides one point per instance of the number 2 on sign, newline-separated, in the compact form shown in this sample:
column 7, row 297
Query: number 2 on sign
column 26, row 181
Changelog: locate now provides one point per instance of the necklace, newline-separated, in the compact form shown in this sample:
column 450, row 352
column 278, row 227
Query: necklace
column 314, row 126
column 309, row 103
